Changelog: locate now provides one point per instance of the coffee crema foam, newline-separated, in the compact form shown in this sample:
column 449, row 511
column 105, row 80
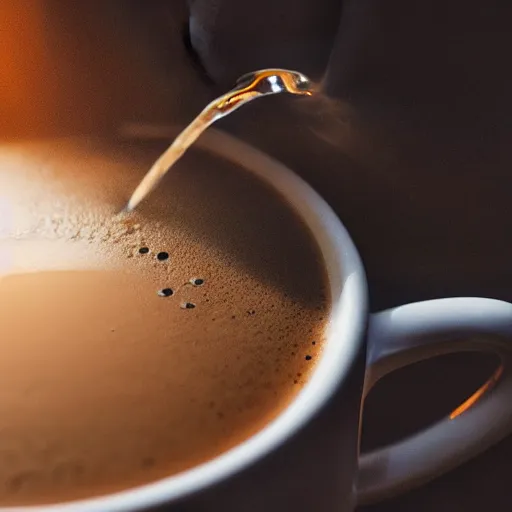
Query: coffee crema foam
column 107, row 382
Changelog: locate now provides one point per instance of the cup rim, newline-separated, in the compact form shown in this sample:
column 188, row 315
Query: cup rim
column 347, row 284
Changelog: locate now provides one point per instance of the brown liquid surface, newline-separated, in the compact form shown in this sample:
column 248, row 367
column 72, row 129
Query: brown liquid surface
column 105, row 384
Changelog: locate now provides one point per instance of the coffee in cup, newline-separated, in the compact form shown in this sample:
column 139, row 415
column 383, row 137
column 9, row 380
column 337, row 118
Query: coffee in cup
column 135, row 347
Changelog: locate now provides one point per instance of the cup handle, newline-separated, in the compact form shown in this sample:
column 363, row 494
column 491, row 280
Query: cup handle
column 404, row 335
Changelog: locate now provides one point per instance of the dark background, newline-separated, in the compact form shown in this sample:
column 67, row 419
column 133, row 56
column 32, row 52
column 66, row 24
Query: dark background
column 413, row 150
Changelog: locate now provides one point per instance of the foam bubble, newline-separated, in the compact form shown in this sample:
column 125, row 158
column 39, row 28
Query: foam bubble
column 162, row 256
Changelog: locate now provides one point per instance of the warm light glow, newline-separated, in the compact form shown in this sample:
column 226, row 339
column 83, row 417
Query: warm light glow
column 5, row 216
column 27, row 80
column 6, row 221
column 478, row 394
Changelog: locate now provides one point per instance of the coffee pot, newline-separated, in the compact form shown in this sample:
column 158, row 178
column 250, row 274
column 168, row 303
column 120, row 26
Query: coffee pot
column 408, row 141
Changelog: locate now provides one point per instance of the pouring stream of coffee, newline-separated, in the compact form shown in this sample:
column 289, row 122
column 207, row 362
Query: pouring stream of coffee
column 248, row 87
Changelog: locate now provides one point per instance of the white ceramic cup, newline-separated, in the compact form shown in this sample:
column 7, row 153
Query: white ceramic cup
column 308, row 458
